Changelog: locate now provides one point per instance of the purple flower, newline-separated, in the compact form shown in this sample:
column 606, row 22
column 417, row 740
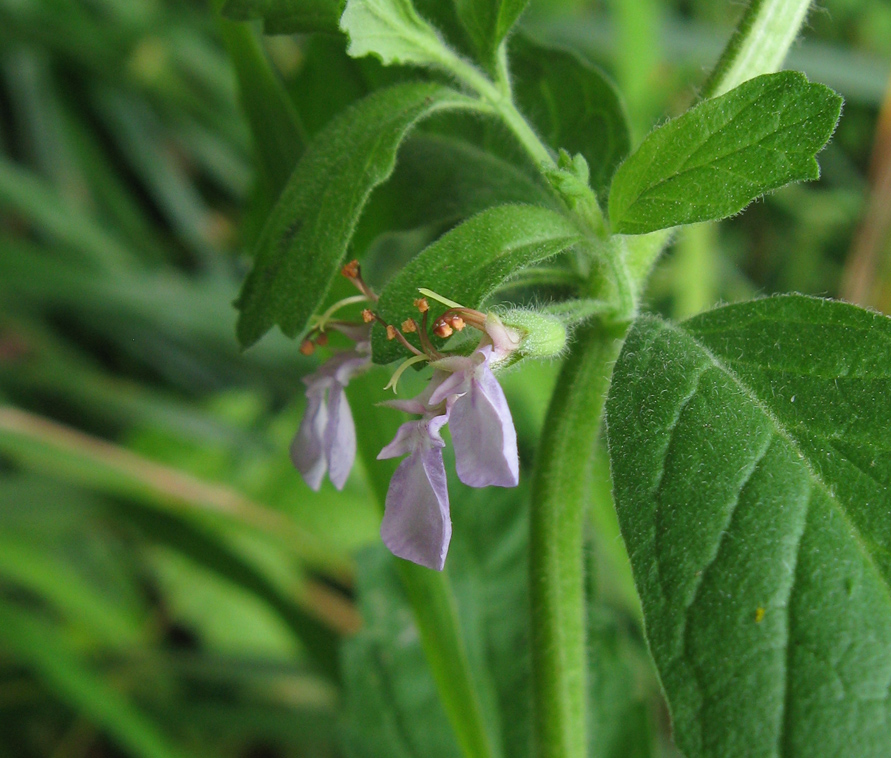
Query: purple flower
column 416, row 523
column 482, row 427
column 326, row 439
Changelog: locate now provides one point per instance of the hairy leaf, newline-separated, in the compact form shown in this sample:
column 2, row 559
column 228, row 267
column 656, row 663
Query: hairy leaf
column 487, row 23
column 305, row 238
column 712, row 161
column 287, row 16
column 752, row 469
column 572, row 105
column 393, row 31
column 468, row 263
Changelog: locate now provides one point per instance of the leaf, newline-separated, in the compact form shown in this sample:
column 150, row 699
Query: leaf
column 287, row 16
column 468, row 263
column 305, row 238
column 750, row 456
column 572, row 105
column 712, row 161
column 488, row 22
column 391, row 705
column 393, row 31
column 42, row 648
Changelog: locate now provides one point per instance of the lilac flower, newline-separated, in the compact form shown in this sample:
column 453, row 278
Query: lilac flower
column 416, row 523
column 326, row 439
column 482, row 427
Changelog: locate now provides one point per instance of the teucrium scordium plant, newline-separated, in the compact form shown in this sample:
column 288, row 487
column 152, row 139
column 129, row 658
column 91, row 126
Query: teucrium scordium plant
column 748, row 446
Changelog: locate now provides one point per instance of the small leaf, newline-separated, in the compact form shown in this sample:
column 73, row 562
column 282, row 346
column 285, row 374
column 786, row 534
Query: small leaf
column 287, row 16
column 468, row 263
column 712, row 161
column 572, row 105
column 305, row 238
column 488, row 22
column 393, row 31
column 750, row 456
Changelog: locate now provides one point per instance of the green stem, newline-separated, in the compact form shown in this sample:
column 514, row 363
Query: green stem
column 429, row 592
column 557, row 593
column 759, row 45
column 563, row 466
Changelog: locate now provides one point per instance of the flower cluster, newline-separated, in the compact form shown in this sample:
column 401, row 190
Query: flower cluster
column 463, row 392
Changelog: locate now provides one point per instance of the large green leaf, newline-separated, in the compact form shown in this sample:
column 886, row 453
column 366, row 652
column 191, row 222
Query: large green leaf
column 751, row 456
column 306, row 236
column 572, row 105
column 468, row 263
column 712, row 161
column 391, row 702
column 287, row 16
column 487, row 23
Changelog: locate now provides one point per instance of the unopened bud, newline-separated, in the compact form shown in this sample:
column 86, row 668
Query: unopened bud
column 544, row 335
column 351, row 270
column 307, row 347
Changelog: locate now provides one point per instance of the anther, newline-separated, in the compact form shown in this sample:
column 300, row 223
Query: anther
column 409, row 325
column 441, row 329
column 391, row 332
column 422, row 305
column 322, row 340
column 368, row 315
column 307, row 347
column 351, row 270
column 456, row 322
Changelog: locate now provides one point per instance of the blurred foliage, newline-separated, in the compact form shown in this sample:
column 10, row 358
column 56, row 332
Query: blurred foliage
column 167, row 585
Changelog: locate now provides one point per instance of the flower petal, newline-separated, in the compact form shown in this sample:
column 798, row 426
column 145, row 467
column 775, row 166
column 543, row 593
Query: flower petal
column 484, row 435
column 416, row 523
column 340, row 437
column 307, row 448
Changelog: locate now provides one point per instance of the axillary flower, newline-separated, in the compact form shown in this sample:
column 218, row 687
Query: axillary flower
column 462, row 392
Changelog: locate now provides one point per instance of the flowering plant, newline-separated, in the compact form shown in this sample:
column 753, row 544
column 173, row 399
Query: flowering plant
column 737, row 498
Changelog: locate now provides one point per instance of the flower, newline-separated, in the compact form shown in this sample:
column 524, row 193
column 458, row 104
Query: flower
column 416, row 524
column 326, row 439
column 482, row 427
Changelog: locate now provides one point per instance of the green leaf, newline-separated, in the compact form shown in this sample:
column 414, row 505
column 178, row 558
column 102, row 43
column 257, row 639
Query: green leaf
column 488, row 569
column 394, row 32
column 306, row 236
column 488, row 22
column 287, row 16
column 572, row 105
column 750, row 456
column 712, row 161
column 468, row 263
column 46, row 651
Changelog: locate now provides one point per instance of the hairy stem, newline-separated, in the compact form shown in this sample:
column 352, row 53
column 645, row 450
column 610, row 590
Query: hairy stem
column 557, row 593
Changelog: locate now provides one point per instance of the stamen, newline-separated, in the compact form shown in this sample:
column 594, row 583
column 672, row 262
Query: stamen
column 350, row 270
column 391, row 332
column 323, row 320
column 353, row 272
column 307, row 347
column 368, row 315
column 457, row 322
column 394, row 380
column 442, row 329
column 409, row 325
column 422, row 305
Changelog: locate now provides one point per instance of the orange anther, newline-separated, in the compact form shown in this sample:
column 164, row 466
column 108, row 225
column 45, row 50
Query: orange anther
column 422, row 305
column 368, row 316
column 322, row 340
column 307, row 347
column 457, row 322
column 409, row 325
column 351, row 270
column 442, row 330
column 391, row 332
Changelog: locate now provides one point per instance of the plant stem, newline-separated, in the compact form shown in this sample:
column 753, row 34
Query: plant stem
column 562, row 471
column 759, row 45
column 557, row 594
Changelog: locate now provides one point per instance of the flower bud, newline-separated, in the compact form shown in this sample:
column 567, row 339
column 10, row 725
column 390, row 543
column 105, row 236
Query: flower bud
column 544, row 335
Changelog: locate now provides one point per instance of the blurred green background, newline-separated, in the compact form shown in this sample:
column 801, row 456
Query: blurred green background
column 168, row 584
